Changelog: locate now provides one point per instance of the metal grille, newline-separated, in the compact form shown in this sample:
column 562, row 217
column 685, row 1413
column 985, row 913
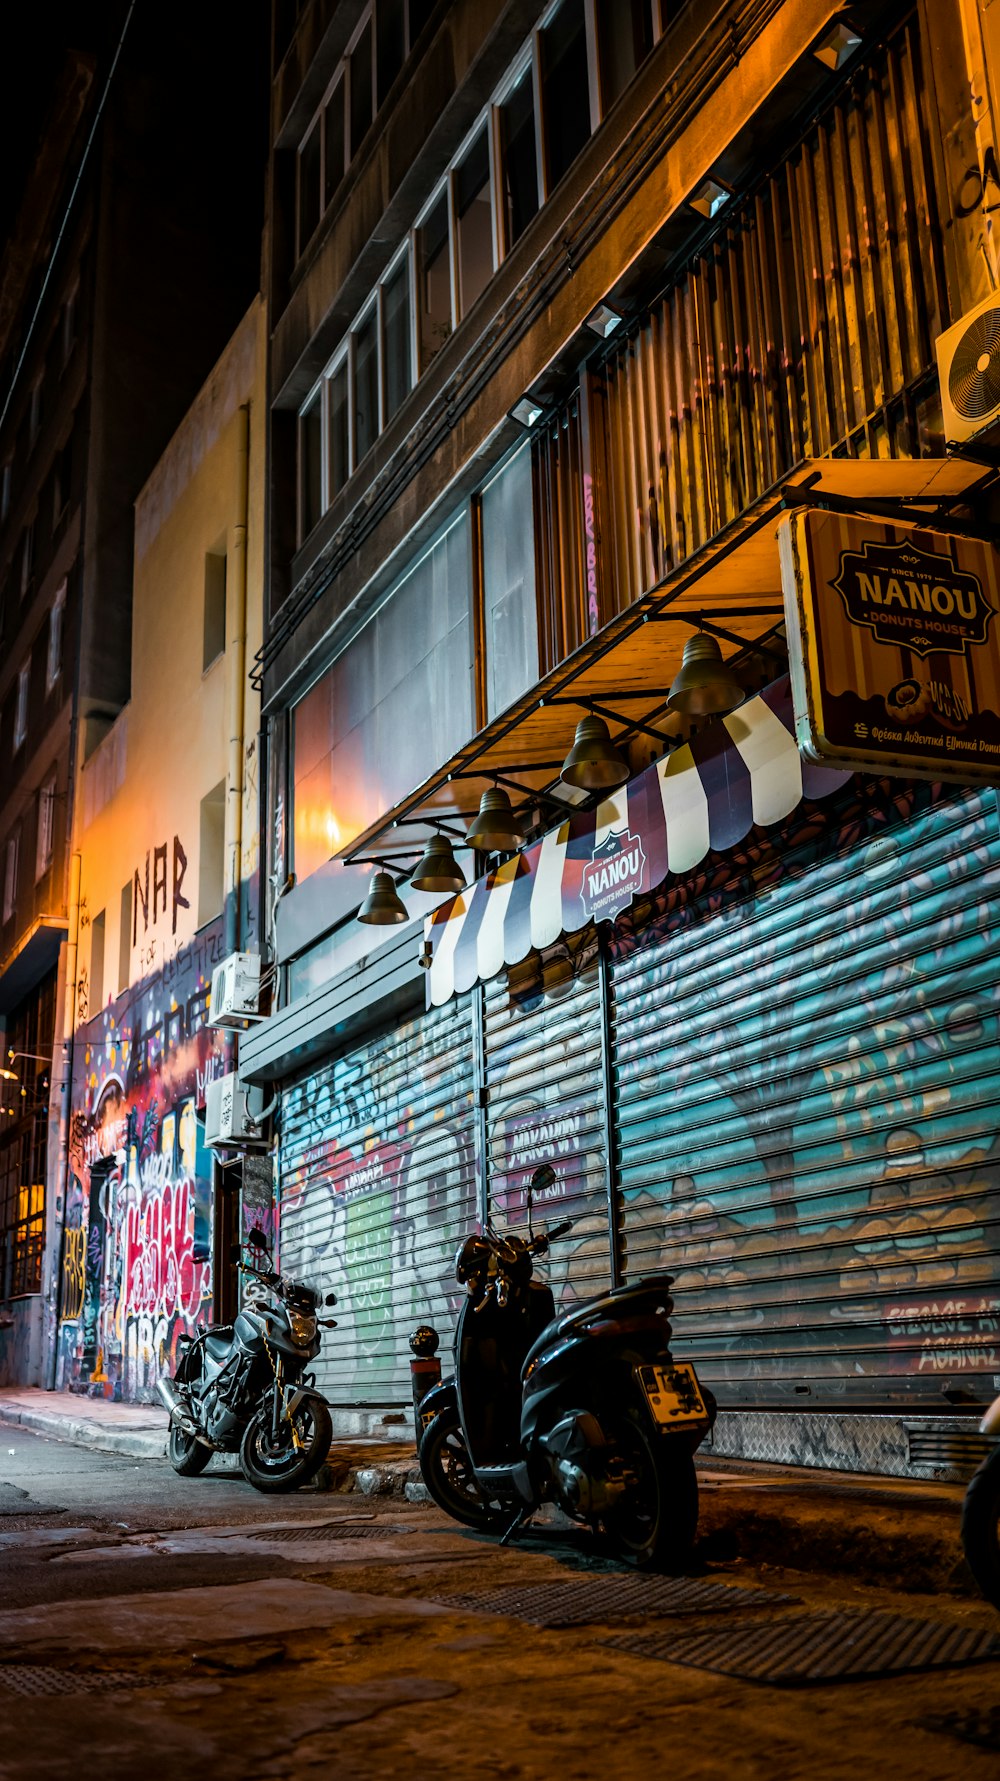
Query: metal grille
column 545, row 1103
column 805, row 327
column 330, row 1530
column 377, row 1188
column 36, row 1679
column 806, row 1648
column 606, row 1599
column 808, row 1090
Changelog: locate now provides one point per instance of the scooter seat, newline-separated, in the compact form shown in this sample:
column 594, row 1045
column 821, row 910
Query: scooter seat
column 634, row 1300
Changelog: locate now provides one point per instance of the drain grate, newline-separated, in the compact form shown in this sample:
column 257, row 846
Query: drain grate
column 806, row 1648
column 612, row 1598
column 35, row 1679
column 329, row 1530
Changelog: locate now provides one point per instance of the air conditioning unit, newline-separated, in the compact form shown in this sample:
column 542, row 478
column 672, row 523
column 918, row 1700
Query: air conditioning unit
column 235, row 991
column 233, row 1117
column 968, row 356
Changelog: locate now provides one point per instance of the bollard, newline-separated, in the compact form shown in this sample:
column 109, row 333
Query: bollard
column 425, row 1371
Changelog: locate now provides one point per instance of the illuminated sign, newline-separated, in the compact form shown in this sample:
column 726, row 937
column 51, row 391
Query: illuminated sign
column 894, row 647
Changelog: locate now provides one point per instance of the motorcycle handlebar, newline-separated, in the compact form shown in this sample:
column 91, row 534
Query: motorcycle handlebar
column 560, row 1230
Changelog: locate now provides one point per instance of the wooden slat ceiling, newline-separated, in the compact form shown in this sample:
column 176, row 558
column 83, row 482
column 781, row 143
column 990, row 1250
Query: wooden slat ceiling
column 732, row 585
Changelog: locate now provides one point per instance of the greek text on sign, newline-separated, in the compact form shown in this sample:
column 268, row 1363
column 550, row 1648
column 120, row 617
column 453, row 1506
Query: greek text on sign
column 914, row 598
column 614, row 874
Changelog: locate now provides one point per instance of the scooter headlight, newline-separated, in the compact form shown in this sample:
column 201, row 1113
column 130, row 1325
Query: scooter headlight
column 303, row 1329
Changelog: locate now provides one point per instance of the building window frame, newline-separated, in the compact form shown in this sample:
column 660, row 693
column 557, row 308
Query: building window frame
column 45, row 845
column 54, row 647
column 10, row 874
column 21, row 706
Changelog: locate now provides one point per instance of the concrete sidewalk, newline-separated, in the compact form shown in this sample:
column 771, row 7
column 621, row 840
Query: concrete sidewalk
column 871, row 1529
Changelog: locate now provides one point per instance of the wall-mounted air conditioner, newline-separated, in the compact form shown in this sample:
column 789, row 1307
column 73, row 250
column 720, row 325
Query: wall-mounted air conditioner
column 968, row 356
column 234, row 1115
column 235, row 991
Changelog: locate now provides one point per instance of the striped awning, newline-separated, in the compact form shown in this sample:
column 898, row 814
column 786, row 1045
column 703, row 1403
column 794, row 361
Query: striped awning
column 740, row 770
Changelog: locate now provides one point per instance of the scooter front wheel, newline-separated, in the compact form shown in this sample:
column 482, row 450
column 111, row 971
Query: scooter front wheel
column 655, row 1520
column 446, row 1469
column 981, row 1527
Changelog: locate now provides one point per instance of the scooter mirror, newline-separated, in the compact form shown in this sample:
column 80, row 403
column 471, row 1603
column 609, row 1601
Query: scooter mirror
column 543, row 1179
column 331, row 1299
column 256, row 1239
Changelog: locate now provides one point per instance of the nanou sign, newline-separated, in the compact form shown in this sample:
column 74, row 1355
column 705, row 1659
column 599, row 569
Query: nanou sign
column 894, row 647
column 613, row 876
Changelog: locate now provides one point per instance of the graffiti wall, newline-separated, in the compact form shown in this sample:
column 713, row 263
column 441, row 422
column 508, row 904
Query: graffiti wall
column 136, row 1266
column 377, row 1188
column 808, row 1087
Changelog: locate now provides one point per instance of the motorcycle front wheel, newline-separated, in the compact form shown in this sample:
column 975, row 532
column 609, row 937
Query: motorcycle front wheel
column 273, row 1466
column 446, row 1469
column 981, row 1527
column 655, row 1521
column 188, row 1456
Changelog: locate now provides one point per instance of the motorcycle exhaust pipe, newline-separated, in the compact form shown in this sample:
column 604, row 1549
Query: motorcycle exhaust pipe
column 173, row 1402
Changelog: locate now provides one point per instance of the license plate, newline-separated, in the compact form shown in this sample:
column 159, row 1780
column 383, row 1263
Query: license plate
column 673, row 1394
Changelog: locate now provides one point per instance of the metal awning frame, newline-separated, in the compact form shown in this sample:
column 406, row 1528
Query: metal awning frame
column 556, row 688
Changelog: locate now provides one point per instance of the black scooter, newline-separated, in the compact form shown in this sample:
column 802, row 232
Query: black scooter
column 587, row 1410
column 244, row 1386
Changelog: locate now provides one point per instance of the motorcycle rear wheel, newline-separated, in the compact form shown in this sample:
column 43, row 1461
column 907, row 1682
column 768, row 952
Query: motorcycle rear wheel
column 655, row 1522
column 275, row 1468
column 981, row 1527
column 188, row 1456
column 447, row 1471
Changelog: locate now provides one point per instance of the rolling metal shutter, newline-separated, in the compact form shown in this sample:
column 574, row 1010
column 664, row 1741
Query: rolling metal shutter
column 378, row 1185
column 807, row 1095
column 546, row 1103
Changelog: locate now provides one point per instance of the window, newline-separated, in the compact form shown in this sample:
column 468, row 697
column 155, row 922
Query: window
column 10, row 875
column 27, row 558
column 46, row 826
column 21, row 706
column 214, row 635
column 53, row 654
column 624, row 40
column 390, row 44
column 510, row 625
column 371, row 727
column 311, row 466
column 365, row 387
column 309, row 186
column 360, row 77
column 565, row 90
column 69, row 323
column 433, row 281
column 62, row 481
column 473, row 223
column 125, row 937
column 339, row 455
column 212, row 854
column 520, row 171
column 22, row 1210
column 396, row 352
column 35, row 411
column 334, row 144
column 97, row 928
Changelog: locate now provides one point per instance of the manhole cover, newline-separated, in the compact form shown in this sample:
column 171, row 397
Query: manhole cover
column 805, row 1648
column 971, row 1725
column 42, row 1679
column 330, row 1530
column 612, row 1598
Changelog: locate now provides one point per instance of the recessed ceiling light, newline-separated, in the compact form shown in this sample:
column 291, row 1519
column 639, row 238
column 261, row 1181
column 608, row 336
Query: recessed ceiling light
column 837, row 45
column 709, row 198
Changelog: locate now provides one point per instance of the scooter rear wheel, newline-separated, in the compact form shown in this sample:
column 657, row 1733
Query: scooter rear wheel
column 655, row 1522
column 447, row 1471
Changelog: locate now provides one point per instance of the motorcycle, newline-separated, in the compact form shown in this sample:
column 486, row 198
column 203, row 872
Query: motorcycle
column 244, row 1387
column 981, row 1515
column 587, row 1409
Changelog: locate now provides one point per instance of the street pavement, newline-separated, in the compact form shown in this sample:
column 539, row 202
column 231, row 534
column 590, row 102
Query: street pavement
column 192, row 1627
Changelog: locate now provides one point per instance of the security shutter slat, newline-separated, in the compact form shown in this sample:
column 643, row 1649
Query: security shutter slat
column 378, row 1186
column 545, row 1103
column 807, row 1090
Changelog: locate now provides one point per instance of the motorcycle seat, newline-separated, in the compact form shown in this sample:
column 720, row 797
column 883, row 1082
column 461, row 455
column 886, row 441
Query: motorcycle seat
column 219, row 1341
column 636, row 1298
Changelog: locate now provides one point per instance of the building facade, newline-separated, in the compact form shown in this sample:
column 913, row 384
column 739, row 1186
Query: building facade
column 571, row 307
column 167, row 839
